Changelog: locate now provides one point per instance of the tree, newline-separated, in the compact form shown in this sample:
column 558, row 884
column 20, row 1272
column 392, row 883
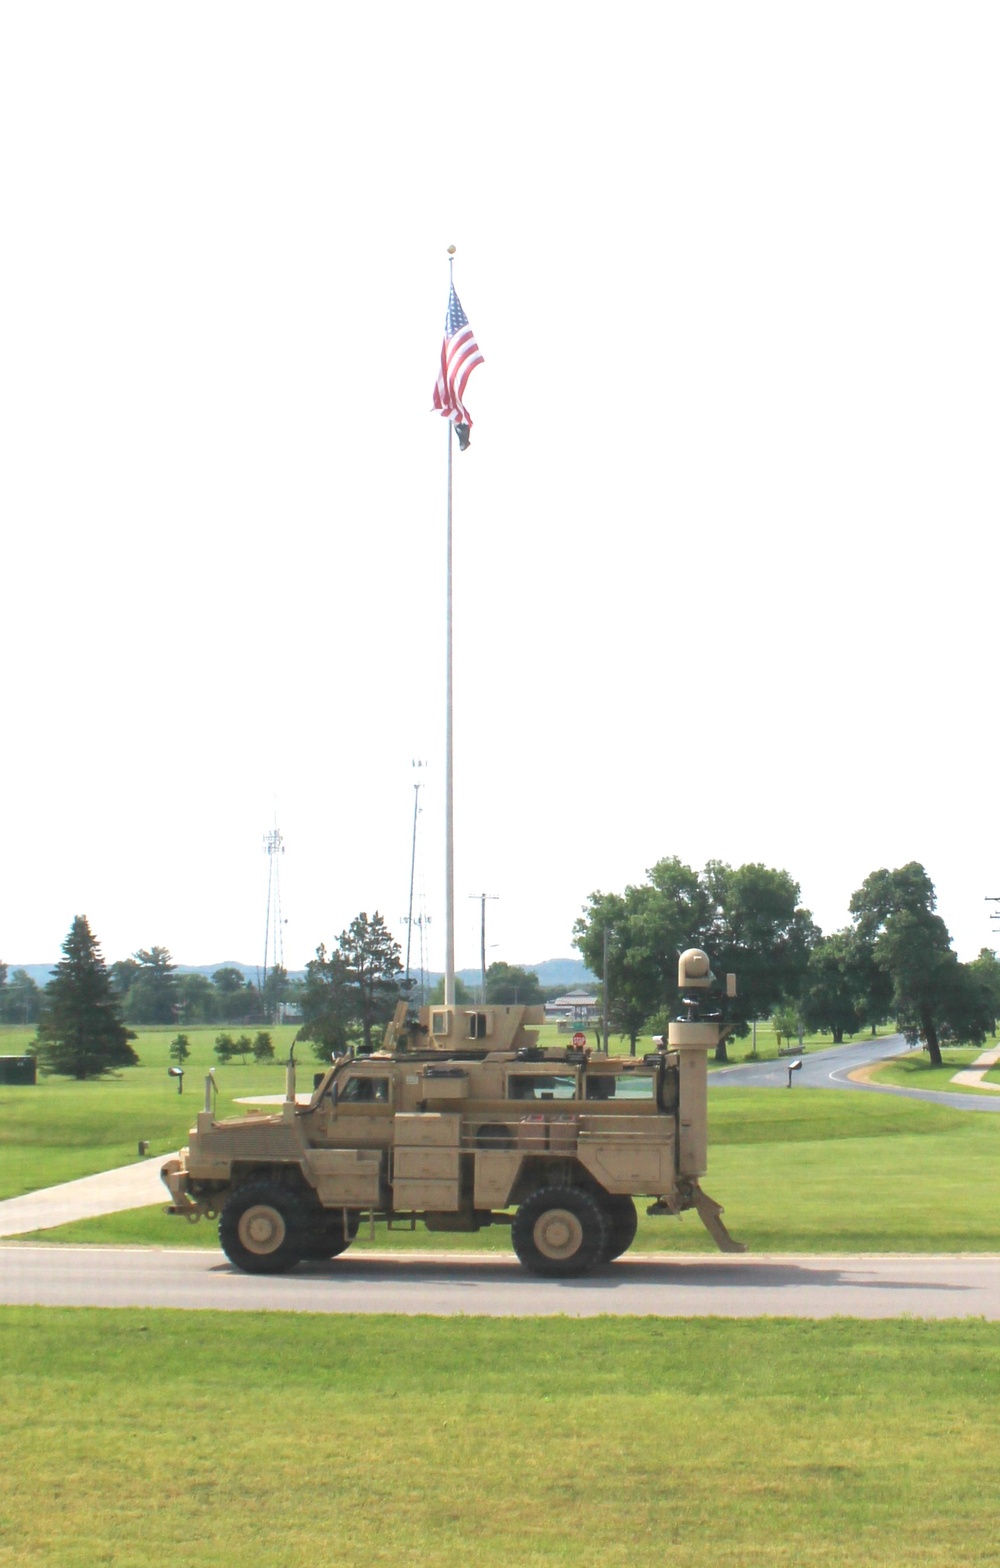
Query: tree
column 785, row 1023
column 986, row 969
column 230, row 989
column 463, row 996
column 372, row 961
column 507, row 986
column 263, row 1047
column 195, row 998
column 747, row 919
column 843, row 987
column 637, row 950
column 152, row 995
column 180, row 1049
column 934, row 996
column 327, row 1005
column 20, row 999
column 759, row 933
column 274, row 992
column 80, row 1031
column 225, row 1048
column 243, row 1047
column 123, row 971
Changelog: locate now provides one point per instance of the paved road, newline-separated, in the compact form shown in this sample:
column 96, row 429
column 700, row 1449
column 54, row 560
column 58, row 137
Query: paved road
column 800, row 1286
column 829, row 1069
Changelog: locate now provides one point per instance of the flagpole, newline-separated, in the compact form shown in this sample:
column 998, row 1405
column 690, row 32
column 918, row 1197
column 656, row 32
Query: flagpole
column 449, row 776
column 449, row 782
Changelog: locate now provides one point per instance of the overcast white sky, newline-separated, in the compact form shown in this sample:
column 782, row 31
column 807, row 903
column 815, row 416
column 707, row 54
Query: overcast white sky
column 725, row 536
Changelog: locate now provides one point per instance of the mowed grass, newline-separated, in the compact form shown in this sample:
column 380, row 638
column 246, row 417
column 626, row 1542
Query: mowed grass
column 59, row 1129
column 208, row 1439
column 916, row 1071
column 806, row 1170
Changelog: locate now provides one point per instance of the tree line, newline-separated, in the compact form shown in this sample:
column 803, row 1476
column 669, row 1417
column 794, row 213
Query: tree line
column 894, row 961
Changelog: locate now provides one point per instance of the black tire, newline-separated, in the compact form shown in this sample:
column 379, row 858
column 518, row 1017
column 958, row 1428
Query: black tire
column 560, row 1231
column 326, row 1237
column 262, row 1228
column 623, row 1222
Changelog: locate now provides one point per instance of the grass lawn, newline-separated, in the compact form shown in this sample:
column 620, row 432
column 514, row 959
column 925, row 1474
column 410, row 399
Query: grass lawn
column 915, row 1071
column 813, row 1170
column 290, row 1440
column 59, row 1129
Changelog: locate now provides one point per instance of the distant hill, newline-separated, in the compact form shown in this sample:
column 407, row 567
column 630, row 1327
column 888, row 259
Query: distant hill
column 566, row 972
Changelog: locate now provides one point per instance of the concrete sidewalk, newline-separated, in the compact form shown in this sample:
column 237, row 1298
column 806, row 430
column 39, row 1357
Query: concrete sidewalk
column 129, row 1187
column 974, row 1075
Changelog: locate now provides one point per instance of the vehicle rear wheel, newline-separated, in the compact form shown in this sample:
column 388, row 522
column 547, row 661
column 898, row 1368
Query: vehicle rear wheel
column 261, row 1228
column 559, row 1232
column 326, row 1237
column 623, row 1222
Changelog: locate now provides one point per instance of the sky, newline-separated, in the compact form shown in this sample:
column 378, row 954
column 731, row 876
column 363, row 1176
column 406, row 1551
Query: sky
column 724, row 536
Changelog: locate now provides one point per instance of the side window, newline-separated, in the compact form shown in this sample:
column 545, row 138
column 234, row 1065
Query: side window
column 635, row 1086
column 542, row 1086
column 477, row 1025
column 600, row 1087
column 364, row 1091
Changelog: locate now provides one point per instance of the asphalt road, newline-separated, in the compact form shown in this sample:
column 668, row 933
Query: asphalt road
column 800, row 1286
column 829, row 1069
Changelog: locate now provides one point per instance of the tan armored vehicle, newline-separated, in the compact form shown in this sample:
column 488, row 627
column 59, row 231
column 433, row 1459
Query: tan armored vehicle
column 464, row 1121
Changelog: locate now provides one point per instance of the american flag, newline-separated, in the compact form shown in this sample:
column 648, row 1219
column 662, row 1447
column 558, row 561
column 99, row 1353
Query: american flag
column 459, row 357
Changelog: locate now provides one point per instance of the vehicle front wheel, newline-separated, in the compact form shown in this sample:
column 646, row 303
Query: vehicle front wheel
column 560, row 1231
column 261, row 1228
column 326, row 1237
column 623, row 1222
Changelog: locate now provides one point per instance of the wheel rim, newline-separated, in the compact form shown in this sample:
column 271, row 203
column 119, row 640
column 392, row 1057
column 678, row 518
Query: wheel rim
column 261, row 1230
column 558, row 1234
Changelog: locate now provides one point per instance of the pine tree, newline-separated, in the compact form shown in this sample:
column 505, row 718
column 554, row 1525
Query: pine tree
column 80, row 1032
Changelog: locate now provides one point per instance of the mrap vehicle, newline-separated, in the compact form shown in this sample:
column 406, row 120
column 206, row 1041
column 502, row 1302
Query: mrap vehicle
column 463, row 1121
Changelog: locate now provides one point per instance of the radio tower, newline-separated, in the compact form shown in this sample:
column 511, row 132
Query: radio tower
column 274, row 848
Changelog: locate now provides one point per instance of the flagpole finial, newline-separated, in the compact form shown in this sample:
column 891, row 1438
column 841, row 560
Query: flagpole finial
column 451, row 250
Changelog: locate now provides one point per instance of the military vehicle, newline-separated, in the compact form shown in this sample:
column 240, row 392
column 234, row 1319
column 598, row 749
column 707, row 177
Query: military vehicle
column 464, row 1121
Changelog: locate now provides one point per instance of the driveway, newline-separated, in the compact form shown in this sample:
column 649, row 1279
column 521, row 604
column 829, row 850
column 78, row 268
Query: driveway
column 829, row 1069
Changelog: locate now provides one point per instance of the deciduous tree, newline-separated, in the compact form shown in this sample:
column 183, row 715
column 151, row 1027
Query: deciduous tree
column 507, row 985
column 327, row 1005
column 20, row 999
column 843, row 988
column 80, row 1031
column 933, row 995
column 180, row 1049
column 263, row 1047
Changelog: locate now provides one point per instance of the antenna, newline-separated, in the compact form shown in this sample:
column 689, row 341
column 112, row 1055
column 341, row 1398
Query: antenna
column 482, row 939
column 417, row 786
column 274, row 848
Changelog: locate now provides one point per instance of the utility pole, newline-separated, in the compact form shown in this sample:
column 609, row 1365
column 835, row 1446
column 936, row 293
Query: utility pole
column 482, row 940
